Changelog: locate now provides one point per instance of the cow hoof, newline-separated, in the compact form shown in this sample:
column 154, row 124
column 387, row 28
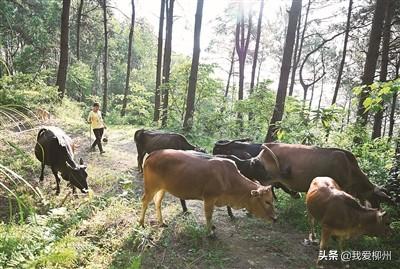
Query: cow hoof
column 186, row 213
column 41, row 179
column 212, row 236
column 307, row 243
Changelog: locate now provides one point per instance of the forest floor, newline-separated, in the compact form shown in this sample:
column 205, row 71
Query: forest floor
column 107, row 226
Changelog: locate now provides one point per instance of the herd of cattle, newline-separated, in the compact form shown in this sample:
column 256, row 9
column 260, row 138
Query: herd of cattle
column 241, row 174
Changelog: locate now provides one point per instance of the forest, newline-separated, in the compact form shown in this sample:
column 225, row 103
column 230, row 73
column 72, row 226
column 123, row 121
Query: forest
column 303, row 74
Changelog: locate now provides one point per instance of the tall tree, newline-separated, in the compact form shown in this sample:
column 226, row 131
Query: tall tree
column 157, row 96
column 242, row 45
column 63, row 65
column 257, row 46
column 377, row 128
column 78, row 29
column 128, row 66
column 230, row 72
column 191, row 95
column 285, row 70
column 344, row 51
column 394, row 99
column 299, row 47
column 105, row 59
column 372, row 57
column 167, row 60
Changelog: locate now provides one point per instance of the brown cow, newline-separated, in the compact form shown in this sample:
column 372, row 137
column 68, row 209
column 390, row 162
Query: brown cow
column 216, row 181
column 340, row 214
column 303, row 163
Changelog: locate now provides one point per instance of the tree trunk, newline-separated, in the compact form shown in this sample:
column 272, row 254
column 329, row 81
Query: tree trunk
column 63, row 65
column 157, row 98
column 320, row 95
column 230, row 72
column 105, row 60
column 257, row 46
column 242, row 45
column 128, row 66
column 312, row 88
column 342, row 62
column 285, row 69
column 255, row 56
column 299, row 50
column 393, row 106
column 191, row 95
column 167, row 61
column 78, row 29
column 377, row 128
column 392, row 113
column 372, row 57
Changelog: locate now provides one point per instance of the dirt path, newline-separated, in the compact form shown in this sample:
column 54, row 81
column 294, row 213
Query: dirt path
column 243, row 243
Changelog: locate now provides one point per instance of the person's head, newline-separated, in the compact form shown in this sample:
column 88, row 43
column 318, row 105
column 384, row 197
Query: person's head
column 96, row 106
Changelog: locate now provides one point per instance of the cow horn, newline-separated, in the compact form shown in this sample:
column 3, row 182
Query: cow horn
column 272, row 154
column 73, row 168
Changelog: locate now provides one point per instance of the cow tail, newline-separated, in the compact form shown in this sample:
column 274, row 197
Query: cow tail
column 138, row 136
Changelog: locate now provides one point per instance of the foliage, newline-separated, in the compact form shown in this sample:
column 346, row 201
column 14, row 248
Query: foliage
column 79, row 80
column 28, row 91
column 378, row 93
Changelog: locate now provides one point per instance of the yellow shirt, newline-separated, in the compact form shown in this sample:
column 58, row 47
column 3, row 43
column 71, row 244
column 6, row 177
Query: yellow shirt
column 96, row 120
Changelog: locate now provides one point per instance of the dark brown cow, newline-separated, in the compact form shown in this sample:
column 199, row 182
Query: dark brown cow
column 55, row 148
column 308, row 162
column 216, row 181
column 340, row 214
column 149, row 141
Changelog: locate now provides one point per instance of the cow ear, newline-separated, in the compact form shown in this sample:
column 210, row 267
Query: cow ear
column 255, row 193
column 81, row 161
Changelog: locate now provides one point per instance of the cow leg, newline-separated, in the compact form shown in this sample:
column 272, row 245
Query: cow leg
column 229, row 209
column 140, row 157
column 312, row 237
column 293, row 194
column 41, row 172
column 273, row 193
column 145, row 203
column 325, row 235
column 58, row 180
column 184, row 207
column 208, row 211
column 157, row 201
column 73, row 189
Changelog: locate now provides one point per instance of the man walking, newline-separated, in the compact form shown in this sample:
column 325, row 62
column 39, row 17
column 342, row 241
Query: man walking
column 97, row 124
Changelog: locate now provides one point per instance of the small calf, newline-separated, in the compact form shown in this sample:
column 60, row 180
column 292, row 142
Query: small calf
column 340, row 214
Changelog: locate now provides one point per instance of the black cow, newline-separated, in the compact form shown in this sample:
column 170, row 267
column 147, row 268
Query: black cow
column 54, row 148
column 149, row 141
column 244, row 154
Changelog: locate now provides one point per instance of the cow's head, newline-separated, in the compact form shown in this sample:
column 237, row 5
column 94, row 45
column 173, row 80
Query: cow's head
column 77, row 176
column 259, row 171
column 379, row 226
column 270, row 162
column 376, row 196
column 262, row 203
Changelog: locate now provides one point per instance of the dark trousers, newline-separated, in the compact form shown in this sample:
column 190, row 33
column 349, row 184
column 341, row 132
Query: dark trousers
column 98, row 133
